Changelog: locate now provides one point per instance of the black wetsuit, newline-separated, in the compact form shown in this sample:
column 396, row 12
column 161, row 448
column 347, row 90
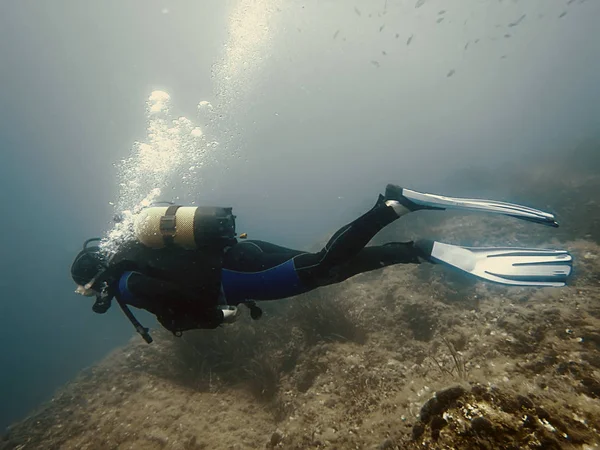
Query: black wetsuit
column 257, row 270
column 187, row 293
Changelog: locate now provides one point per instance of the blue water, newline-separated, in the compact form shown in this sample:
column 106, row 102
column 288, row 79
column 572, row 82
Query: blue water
column 317, row 135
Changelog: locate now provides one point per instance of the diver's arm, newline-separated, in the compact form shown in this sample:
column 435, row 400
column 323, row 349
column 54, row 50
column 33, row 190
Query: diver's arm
column 105, row 293
column 105, row 285
column 112, row 274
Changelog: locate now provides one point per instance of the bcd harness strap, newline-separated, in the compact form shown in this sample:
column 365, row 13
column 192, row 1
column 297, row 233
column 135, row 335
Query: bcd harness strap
column 168, row 225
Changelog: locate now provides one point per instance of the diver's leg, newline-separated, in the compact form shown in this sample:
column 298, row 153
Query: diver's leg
column 250, row 273
column 267, row 247
column 367, row 260
column 262, row 271
column 256, row 256
column 376, row 257
column 349, row 240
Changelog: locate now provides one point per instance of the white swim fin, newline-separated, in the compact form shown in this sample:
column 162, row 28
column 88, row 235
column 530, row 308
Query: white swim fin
column 504, row 265
column 414, row 201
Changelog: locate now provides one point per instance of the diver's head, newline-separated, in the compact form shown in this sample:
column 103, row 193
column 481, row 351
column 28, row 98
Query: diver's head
column 88, row 263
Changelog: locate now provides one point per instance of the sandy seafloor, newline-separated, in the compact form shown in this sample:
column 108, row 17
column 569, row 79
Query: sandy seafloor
column 403, row 357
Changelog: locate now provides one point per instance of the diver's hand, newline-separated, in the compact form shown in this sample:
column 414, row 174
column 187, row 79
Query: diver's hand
column 103, row 300
column 101, row 305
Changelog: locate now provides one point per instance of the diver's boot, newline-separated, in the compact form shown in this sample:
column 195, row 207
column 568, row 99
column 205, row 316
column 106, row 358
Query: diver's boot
column 413, row 201
column 349, row 240
column 395, row 193
column 394, row 199
column 401, row 253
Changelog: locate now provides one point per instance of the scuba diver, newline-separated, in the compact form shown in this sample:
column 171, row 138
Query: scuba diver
column 187, row 267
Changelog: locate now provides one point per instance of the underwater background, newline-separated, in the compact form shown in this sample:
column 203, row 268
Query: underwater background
column 296, row 114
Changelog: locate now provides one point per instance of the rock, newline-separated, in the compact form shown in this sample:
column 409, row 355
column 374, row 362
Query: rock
column 447, row 396
column 430, row 408
column 481, row 425
column 524, row 402
column 386, row 445
column 591, row 387
column 276, row 438
column 329, row 435
column 418, row 431
column 441, row 402
column 437, row 423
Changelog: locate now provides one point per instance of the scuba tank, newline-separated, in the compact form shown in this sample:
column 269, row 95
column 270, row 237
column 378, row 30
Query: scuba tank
column 189, row 227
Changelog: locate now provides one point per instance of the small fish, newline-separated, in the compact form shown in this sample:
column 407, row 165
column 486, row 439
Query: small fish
column 356, row 10
column 409, row 40
column 383, row 53
column 507, row 36
column 443, row 11
column 562, row 15
column 440, row 20
column 518, row 21
column 336, row 34
column 397, row 35
column 452, row 72
column 467, row 45
column 476, row 41
column 419, row 3
column 381, row 28
column 570, row 1
column 503, row 57
column 375, row 63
